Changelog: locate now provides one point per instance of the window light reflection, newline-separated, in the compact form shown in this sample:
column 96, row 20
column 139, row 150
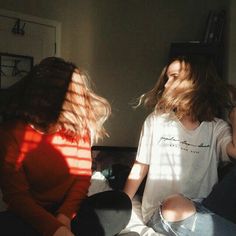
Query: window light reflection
column 77, row 156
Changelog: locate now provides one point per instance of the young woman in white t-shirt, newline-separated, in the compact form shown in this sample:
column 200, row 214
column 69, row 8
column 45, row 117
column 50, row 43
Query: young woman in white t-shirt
column 181, row 144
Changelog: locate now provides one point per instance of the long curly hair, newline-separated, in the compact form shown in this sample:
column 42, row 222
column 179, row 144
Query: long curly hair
column 57, row 93
column 199, row 92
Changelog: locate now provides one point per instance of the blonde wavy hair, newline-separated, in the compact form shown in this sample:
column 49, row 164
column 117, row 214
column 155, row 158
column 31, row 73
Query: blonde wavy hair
column 83, row 110
column 57, row 95
column 198, row 91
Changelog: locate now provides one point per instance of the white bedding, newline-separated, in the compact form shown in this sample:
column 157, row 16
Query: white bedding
column 136, row 224
column 100, row 184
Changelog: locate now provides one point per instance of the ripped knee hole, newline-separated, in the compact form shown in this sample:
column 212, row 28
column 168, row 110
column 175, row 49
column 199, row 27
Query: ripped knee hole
column 177, row 207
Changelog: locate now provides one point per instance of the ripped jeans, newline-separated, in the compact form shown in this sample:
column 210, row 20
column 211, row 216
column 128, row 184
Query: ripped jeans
column 215, row 215
column 202, row 223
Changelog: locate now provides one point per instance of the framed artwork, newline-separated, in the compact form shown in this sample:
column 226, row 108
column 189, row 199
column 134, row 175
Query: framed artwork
column 13, row 68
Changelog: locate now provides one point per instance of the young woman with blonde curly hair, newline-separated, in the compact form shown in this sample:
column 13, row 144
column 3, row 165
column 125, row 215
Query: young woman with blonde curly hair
column 45, row 157
column 181, row 144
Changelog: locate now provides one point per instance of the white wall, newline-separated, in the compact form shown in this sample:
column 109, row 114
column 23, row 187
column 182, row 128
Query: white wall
column 232, row 44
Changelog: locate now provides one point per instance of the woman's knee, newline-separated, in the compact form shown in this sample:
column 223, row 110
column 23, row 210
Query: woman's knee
column 176, row 207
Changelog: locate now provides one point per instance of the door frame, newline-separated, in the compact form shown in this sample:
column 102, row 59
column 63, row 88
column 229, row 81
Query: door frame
column 37, row 20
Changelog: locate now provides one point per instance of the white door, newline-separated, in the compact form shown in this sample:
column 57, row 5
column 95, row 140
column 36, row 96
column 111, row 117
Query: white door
column 27, row 35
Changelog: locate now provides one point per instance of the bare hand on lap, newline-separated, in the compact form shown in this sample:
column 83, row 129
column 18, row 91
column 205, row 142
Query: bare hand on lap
column 63, row 231
column 65, row 220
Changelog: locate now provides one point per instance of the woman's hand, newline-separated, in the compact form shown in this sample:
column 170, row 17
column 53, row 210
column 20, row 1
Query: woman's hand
column 137, row 174
column 63, row 231
column 65, row 220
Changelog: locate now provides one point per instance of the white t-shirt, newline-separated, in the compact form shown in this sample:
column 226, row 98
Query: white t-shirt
column 180, row 160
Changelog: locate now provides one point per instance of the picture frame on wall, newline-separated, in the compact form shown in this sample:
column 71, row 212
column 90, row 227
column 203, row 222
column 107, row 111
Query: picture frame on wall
column 13, row 67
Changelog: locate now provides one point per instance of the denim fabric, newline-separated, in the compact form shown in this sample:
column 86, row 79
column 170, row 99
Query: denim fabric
column 202, row 223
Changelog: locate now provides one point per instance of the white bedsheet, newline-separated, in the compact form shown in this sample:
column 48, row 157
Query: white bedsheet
column 136, row 224
column 100, row 184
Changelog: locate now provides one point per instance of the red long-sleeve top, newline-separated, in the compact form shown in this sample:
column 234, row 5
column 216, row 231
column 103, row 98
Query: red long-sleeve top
column 42, row 175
